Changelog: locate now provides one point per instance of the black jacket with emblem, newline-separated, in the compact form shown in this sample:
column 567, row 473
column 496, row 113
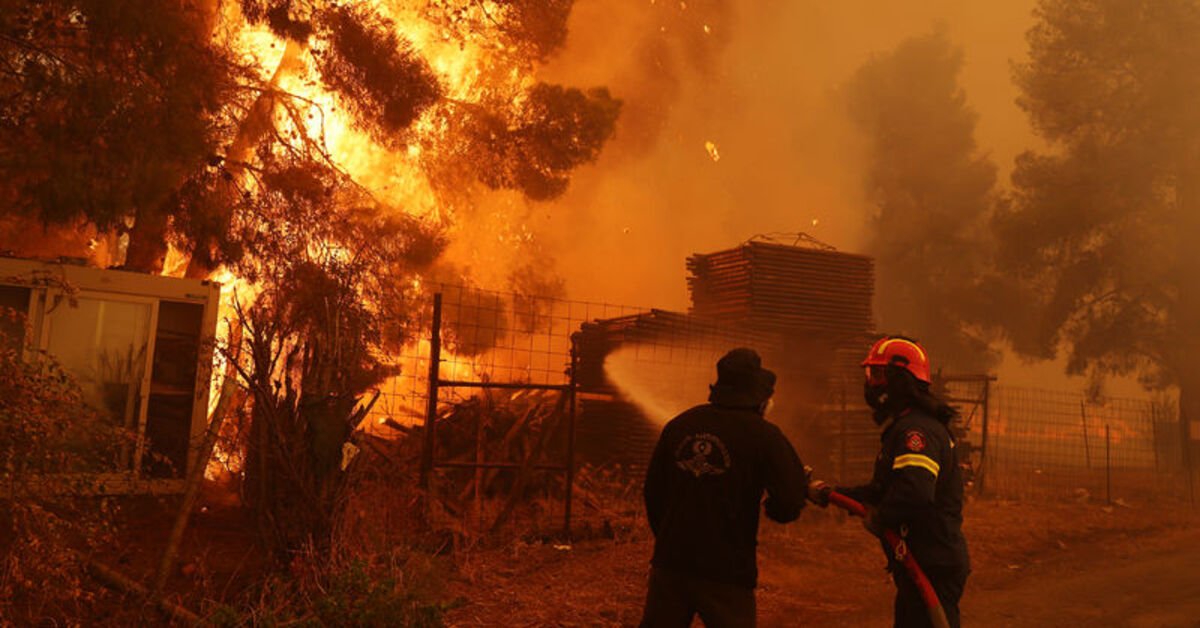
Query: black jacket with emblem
column 704, row 488
column 917, row 488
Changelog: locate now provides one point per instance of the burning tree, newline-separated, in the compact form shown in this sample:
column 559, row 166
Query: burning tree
column 317, row 153
column 329, row 277
column 107, row 108
column 1099, row 235
column 146, row 120
column 932, row 190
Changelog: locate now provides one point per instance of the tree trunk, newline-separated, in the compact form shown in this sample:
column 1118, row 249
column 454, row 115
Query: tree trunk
column 257, row 123
column 1186, row 342
column 1188, row 378
column 147, row 247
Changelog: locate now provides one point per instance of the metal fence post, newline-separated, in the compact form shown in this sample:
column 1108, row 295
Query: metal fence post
column 571, row 407
column 478, row 480
column 1154, row 437
column 1185, row 446
column 983, row 440
column 1087, row 451
column 1107, row 465
column 844, row 438
column 435, row 358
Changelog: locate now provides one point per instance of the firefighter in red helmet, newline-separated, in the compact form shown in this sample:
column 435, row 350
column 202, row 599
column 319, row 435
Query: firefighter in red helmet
column 917, row 486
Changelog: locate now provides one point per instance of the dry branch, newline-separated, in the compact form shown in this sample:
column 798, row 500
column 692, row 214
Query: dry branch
column 116, row 580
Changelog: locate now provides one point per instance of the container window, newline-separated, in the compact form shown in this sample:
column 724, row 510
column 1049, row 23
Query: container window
column 103, row 344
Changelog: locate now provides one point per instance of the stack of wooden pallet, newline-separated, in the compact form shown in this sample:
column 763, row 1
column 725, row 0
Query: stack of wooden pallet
column 806, row 310
column 819, row 302
column 784, row 288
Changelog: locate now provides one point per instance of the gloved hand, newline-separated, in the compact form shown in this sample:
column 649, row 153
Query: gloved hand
column 818, row 492
column 871, row 521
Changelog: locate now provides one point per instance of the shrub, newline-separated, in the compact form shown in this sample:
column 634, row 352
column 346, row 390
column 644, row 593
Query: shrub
column 47, row 521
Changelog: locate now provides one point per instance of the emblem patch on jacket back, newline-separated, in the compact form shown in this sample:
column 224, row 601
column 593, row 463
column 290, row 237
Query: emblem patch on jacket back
column 702, row 454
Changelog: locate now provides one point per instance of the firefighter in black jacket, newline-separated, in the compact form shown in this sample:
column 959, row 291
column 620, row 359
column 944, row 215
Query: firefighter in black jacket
column 917, row 486
column 704, row 488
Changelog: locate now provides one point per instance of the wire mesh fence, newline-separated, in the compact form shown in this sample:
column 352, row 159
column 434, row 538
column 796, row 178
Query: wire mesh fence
column 519, row 375
column 504, row 412
column 843, row 440
column 1057, row 443
column 487, row 336
column 1025, row 443
column 509, row 394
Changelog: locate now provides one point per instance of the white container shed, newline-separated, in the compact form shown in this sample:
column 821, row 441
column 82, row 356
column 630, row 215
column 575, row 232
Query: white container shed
column 140, row 347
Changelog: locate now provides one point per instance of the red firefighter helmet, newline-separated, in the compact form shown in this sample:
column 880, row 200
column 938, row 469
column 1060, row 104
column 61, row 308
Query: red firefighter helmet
column 902, row 352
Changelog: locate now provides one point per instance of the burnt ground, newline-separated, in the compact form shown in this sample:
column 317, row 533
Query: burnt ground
column 1061, row 564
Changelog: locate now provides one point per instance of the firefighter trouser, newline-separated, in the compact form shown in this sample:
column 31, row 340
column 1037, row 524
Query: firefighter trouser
column 673, row 598
column 948, row 583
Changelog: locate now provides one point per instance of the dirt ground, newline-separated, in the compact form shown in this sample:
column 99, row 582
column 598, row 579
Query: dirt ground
column 1034, row 564
column 1064, row 564
column 1135, row 583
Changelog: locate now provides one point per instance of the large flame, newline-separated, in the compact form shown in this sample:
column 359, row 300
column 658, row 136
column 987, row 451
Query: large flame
column 397, row 177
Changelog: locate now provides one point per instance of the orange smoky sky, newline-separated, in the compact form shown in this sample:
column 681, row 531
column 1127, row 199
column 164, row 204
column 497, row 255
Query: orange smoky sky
column 733, row 126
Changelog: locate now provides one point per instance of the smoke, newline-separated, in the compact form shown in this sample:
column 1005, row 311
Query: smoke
column 767, row 90
column 761, row 85
column 765, row 85
column 933, row 192
column 733, row 122
column 661, row 389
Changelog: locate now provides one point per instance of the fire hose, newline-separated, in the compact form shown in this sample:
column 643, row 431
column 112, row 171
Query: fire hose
column 899, row 549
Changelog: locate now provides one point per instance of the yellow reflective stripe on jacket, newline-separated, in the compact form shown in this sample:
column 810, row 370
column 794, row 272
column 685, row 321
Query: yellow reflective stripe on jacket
column 917, row 460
